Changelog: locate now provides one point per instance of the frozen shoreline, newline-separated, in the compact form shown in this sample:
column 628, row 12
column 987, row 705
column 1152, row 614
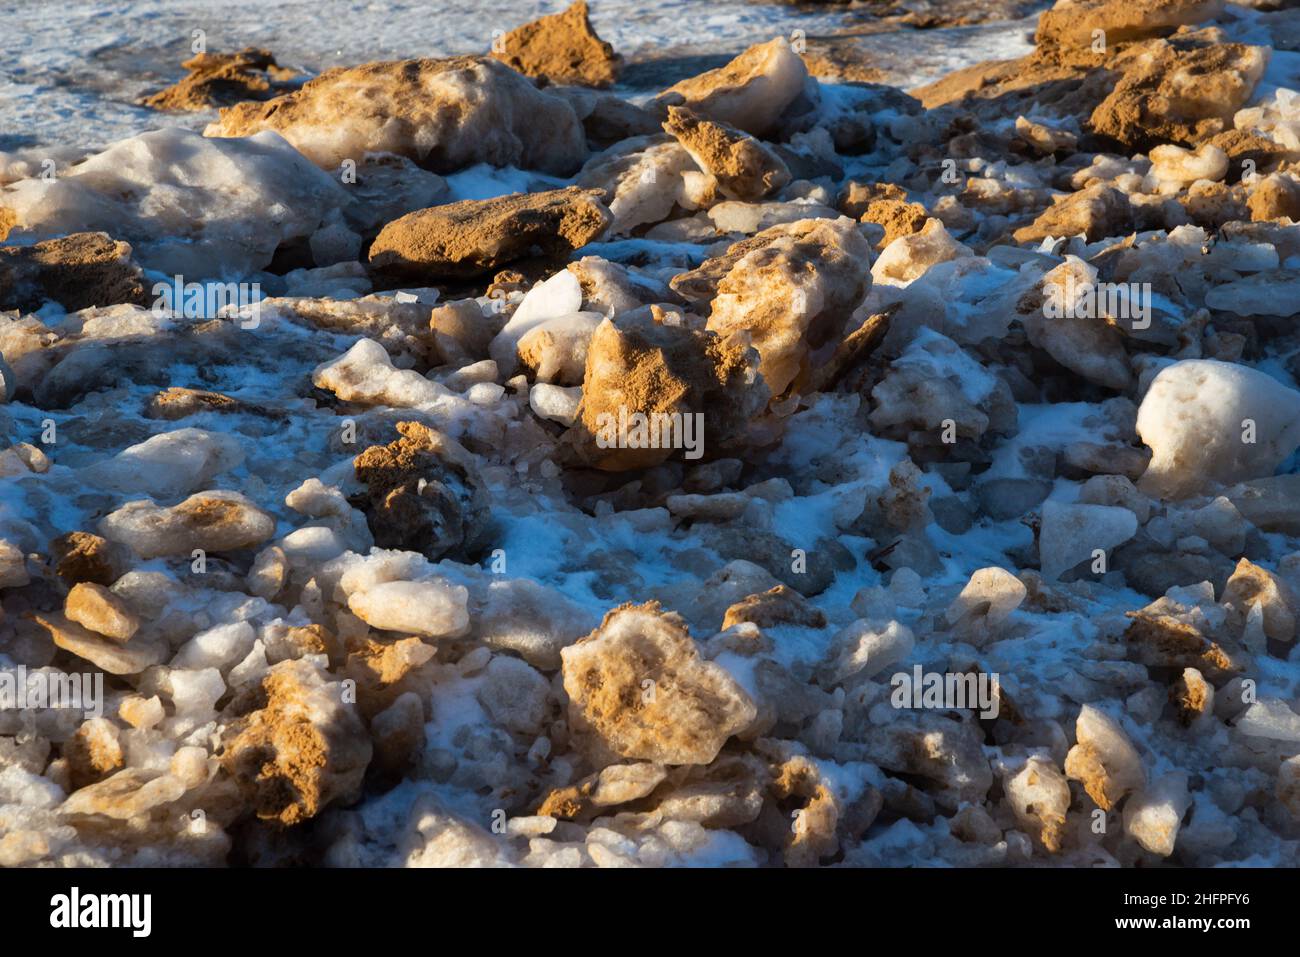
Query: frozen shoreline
column 70, row 73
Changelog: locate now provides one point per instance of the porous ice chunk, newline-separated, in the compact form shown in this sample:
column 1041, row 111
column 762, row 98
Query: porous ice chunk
column 1040, row 797
column 475, row 237
column 1103, row 758
column 644, row 181
column 1071, row 23
column 303, row 749
column 141, row 712
column 423, row 493
column 639, row 366
column 95, row 607
column 107, row 654
column 638, row 688
column 745, row 168
column 1252, row 589
column 444, row 114
column 793, row 297
column 215, row 521
column 129, row 793
column 616, row 784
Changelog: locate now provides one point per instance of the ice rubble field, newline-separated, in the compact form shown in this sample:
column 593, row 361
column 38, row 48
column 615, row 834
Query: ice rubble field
column 72, row 71
column 366, row 589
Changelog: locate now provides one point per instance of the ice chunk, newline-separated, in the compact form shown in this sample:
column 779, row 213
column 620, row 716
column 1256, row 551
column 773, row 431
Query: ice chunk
column 934, row 382
column 1272, row 293
column 434, row 609
column 555, row 402
column 529, row 619
column 1208, row 421
column 908, row 257
column 638, row 689
column 13, row 565
column 644, row 179
column 215, row 521
column 995, row 590
column 190, row 206
column 865, row 649
column 556, row 350
column 475, row 237
column 195, row 693
column 514, row 695
column 1272, row 719
column 793, row 296
column 95, row 607
column 1072, row 328
column 744, row 167
column 445, row 114
column 1173, row 167
column 560, row 295
column 1115, row 490
column 1103, row 759
column 109, row 655
column 220, row 647
column 1040, row 798
column 751, row 92
column 1072, row 533
column 171, row 464
column 1251, row 587
column 306, row 747
column 365, row 374
column 1153, row 817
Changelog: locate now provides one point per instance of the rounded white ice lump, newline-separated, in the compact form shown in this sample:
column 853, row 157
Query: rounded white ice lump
column 1211, row 422
column 434, row 609
column 999, row 591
